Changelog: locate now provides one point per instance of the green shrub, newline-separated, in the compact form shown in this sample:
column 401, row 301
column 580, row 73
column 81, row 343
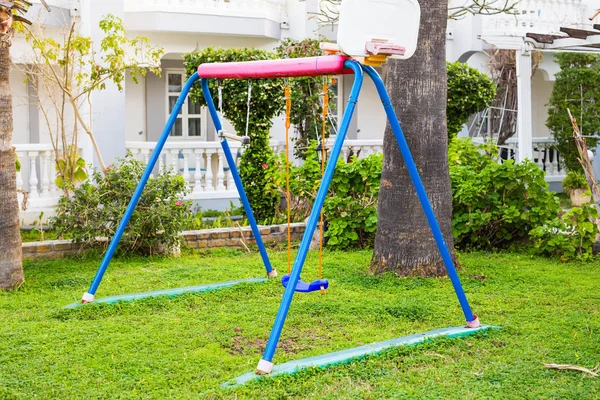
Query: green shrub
column 568, row 237
column 97, row 206
column 469, row 91
column 351, row 207
column 574, row 180
column 463, row 152
column 495, row 204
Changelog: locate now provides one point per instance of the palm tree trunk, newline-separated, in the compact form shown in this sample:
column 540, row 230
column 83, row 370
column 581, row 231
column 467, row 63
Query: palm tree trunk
column 11, row 270
column 404, row 243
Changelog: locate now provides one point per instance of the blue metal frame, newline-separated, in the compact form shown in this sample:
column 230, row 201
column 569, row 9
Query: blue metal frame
column 319, row 200
column 316, row 212
column 416, row 180
column 146, row 175
column 312, row 222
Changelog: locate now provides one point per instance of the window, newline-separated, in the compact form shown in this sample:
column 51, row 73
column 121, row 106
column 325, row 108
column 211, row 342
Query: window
column 190, row 123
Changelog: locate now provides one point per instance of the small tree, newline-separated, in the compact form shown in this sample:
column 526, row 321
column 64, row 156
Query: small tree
column 576, row 88
column 69, row 71
column 265, row 103
column 307, row 93
column 469, row 91
column 11, row 266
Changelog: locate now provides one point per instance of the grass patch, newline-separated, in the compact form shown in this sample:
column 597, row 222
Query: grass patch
column 36, row 235
column 186, row 346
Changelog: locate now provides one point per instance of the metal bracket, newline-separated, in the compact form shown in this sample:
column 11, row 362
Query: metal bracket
column 243, row 139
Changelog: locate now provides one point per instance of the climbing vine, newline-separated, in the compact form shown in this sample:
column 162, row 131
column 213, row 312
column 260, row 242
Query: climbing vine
column 469, row 91
column 265, row 103
column 307, row 95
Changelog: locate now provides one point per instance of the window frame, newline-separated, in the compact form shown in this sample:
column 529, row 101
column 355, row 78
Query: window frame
column 185, row 115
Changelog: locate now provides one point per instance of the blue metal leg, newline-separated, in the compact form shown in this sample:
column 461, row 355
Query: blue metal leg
column 89, row 296
column 265, row 363
column 236, row 177
column 416, row 179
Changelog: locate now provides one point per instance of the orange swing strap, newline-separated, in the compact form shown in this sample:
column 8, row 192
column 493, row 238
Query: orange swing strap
column 324, row 115
column 323, row 155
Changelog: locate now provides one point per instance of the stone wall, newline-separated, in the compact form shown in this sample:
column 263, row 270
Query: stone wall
column 201, row 239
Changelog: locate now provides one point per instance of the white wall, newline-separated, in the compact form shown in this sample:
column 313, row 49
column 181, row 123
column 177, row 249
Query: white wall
column 180, row 43
column 371, row 118
column 135, row 104
column 541, row 90
column 20, row 98
column 109, row 105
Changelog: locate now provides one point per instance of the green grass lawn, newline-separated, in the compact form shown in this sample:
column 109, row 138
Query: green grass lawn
column 186, row 346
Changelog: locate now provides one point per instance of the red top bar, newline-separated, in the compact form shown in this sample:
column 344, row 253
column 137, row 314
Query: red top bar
column 308, row 66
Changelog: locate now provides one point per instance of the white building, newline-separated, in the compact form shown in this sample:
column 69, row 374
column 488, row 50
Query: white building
column 133, row 119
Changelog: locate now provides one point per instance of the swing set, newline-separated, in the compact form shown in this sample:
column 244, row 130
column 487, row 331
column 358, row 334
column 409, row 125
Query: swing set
column 369, row 32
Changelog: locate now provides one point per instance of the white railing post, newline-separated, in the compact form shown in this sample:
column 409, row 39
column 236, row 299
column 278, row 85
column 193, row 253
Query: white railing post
column 541, row 152
column 198, row 171
column 554, row 162
column 186, row 166
column 33, row 179
column 230, row 182
column 44, row 171
column 220, row 171
column 145, row 153
column 209, row 170
column 161, row 163
column 54, row 189
column 174, row 169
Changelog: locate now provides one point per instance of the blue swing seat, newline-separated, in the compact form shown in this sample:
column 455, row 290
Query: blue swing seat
column 305, row 287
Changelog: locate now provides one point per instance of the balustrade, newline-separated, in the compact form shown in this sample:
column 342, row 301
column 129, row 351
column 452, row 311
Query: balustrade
column 202, row 164
column 204, row 167
column 537, row 16
column 274, row 8
column 37, row 176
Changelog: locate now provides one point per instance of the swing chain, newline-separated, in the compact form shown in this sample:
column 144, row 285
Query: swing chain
column 245, row 140
column 220, row 94
column 325, row 94
column 248, row 105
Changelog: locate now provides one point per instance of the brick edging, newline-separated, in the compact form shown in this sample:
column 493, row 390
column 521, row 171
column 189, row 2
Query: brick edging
column 200, row 239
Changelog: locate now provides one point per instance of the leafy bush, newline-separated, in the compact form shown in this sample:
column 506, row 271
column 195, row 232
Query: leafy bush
column 350, row 208
column 463, row 152
column 576, row 88
column 469, row 91
column 98, row 205
column 574, row 180
column 568, row 237
column 265, row 104
column 497, row 204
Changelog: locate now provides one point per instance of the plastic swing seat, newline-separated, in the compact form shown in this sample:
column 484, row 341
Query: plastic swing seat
column 305, row 287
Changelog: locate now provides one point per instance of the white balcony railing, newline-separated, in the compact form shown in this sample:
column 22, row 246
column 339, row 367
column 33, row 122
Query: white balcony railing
column 358, row 148
column 537, row 16
column 273, row 9
column 545, row 155
column 37, row 176
column 204, row 167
